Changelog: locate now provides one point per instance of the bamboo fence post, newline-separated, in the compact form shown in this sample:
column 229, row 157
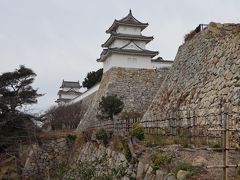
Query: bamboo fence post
column 225, row 142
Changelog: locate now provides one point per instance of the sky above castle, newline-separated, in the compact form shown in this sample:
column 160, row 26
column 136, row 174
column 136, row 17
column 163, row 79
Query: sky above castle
column 61, row 39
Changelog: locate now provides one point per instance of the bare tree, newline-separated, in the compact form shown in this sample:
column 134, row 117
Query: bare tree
column 64, row 116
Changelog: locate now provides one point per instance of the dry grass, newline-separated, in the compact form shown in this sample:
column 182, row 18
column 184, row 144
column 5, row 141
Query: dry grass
column 190, row 35
column 116, row 143
column 154, row 140
column 52, row 135
column 8, row 169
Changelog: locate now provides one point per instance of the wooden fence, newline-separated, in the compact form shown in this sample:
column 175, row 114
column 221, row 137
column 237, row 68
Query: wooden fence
column 221, row 125
column 183, row 123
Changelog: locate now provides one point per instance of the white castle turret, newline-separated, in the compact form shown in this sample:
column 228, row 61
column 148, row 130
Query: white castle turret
column 126, row 46
column 68, row 91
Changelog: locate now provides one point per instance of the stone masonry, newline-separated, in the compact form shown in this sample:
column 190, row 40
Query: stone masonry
column 206, row 69
column 136, row 88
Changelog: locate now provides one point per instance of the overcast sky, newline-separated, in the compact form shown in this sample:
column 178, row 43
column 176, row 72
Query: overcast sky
column 61, row 39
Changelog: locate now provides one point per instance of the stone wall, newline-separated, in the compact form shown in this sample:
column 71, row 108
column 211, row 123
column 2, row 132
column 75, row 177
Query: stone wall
column 206, row 69
column 86, row 103
column 64, row 158
column 45, row 156
column 136, row 88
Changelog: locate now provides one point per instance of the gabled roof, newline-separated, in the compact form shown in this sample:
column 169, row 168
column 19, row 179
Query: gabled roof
column 114, row 36
column 70, row 84
column 129, row 20
column 106, row 52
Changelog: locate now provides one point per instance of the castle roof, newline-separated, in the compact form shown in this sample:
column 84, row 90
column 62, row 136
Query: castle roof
column 129, row 20
column 106, row 52
column 115, row 36
column 70, row 84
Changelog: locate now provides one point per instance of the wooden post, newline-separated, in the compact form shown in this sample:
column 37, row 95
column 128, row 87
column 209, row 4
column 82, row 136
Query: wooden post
column 188, row 134
column 225, row 142
column 170, row 123
column 225, row 129
column 194, row 127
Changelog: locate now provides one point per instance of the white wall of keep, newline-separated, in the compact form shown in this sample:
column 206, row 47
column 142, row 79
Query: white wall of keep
column 68, row 96
column 120, row 43
column 127, row 61
column 141, row 44
column 129, row 30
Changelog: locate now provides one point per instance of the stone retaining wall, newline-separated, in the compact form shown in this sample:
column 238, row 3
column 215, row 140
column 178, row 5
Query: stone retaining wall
column 50, row 154
column 64, row 159
column 206, row 69
column 136, row 88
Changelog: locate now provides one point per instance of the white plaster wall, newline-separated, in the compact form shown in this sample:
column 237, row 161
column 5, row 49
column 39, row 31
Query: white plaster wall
column 119, row 43
column 141, row 44
column 67, row 89
column 127, row 61
column 68, row 96
column 160, row 65
column 128, row 30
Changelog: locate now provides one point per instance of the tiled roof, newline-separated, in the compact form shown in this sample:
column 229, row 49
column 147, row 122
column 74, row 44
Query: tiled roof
column 108, row 51
column 129, row 20
column 126, row 36
column 70, row 84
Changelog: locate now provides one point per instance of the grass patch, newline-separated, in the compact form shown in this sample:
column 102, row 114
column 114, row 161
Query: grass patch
column 159, row 160
column 126, row 149
column 189, row 36
column 155, row 140
column 216, row 146
column 183, row 141
column 53, row 135
column 117, row 144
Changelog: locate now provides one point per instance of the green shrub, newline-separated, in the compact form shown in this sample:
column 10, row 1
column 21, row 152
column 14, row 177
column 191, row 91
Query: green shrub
column 110, row 106
column 101, row 134
column 217, row 146
column 71, row 137
column 160, row 160
column 184, row 141
column 154, row 140
column 138, row 131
